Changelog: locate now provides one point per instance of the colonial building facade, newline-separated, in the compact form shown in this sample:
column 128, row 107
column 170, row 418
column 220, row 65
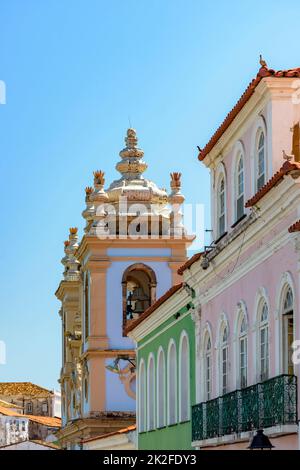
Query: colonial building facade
column 31, row 398
column 165, row 340
column 132, row 247
column 247, row 282
column 16, row 427
column 245, row 312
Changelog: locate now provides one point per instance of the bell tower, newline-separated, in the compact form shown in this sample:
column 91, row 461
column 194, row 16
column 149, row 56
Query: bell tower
column 134, row 241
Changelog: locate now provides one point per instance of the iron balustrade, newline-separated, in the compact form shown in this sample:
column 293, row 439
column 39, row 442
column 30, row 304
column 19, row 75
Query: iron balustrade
column 265, row 404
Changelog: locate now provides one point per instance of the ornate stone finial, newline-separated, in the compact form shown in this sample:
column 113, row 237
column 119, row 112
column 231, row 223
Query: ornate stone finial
column 262, row 62
column 175, row 180
column 287, row 157
column 88, row 190
column 99, row 177
column 70, row 262
column 132, row 166
column 131, row 139
column 176, row 198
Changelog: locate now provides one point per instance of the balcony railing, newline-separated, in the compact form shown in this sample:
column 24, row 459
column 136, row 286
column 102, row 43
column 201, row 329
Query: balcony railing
column 263, row 405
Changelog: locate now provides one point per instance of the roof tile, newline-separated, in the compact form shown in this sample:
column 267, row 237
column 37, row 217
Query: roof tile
column 295, row 227
column 189, row 262
column 115, row 433
column 286, row 168
column 23, row 388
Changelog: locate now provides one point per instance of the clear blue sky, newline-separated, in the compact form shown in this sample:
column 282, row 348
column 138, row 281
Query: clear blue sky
column 75, row 70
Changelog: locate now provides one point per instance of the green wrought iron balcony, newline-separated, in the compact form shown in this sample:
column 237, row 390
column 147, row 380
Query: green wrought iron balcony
column 265, row 404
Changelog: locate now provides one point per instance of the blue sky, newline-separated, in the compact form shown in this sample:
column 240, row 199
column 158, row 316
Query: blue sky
column 75, row 72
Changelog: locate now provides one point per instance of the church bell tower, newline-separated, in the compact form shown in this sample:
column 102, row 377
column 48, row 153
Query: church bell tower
column 134, row 241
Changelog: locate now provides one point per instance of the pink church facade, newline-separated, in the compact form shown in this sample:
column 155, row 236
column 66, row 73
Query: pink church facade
column 247, row 283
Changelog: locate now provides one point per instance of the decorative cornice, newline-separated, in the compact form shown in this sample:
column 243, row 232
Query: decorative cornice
column 262, row 73
column 287, row 168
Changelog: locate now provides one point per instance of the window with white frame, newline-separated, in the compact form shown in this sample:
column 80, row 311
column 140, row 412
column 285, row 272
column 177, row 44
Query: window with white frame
column 161, row 390
column 172, row 384
column 207, row 368
column 151, row 393
column 221, row 207
column 288, row 331
column 142, row 397
column 264, row 341
column 224, row 360
column 239, row 201
column 260, row 161
column 184, row 379
column 243, row 353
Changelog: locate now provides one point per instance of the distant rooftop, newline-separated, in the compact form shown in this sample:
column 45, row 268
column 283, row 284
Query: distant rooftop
column 23, row 388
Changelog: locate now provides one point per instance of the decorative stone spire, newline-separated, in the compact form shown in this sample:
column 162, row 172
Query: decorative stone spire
column 132, row 185
column 71, row 264
column 176, row 199
column 89, row 211
column 132, row 166
column 99, row 198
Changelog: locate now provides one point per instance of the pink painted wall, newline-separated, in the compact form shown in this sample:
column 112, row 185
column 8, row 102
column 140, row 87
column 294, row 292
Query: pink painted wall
column 278, row 138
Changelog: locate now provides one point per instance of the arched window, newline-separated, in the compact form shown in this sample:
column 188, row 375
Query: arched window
column 172, row 384
column 221, row 207
column 243, row 352
column 161, row 390
column 151, row 393
column 260, row 161
column 138, row 290
column 288, row 331
column 239, row 192
column 207, row 368
column 142, row 397
column 263, row 341
column 224, row 360
column 184, row 378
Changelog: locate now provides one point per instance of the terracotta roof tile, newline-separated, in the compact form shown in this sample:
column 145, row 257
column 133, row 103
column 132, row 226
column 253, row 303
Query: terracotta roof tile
column 23, row 388
column 44, row 420
column 295, row 227
column 263, row 72
column 9, row 412
column 189, row 262
column 286, row 168
column 115, row 433
column 48, row 421
column 153, row 307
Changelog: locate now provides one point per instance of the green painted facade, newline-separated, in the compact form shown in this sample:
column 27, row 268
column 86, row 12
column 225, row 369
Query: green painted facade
column 176, row 436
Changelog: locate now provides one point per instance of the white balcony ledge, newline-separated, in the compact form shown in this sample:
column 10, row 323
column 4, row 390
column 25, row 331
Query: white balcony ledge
column 274, row 431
